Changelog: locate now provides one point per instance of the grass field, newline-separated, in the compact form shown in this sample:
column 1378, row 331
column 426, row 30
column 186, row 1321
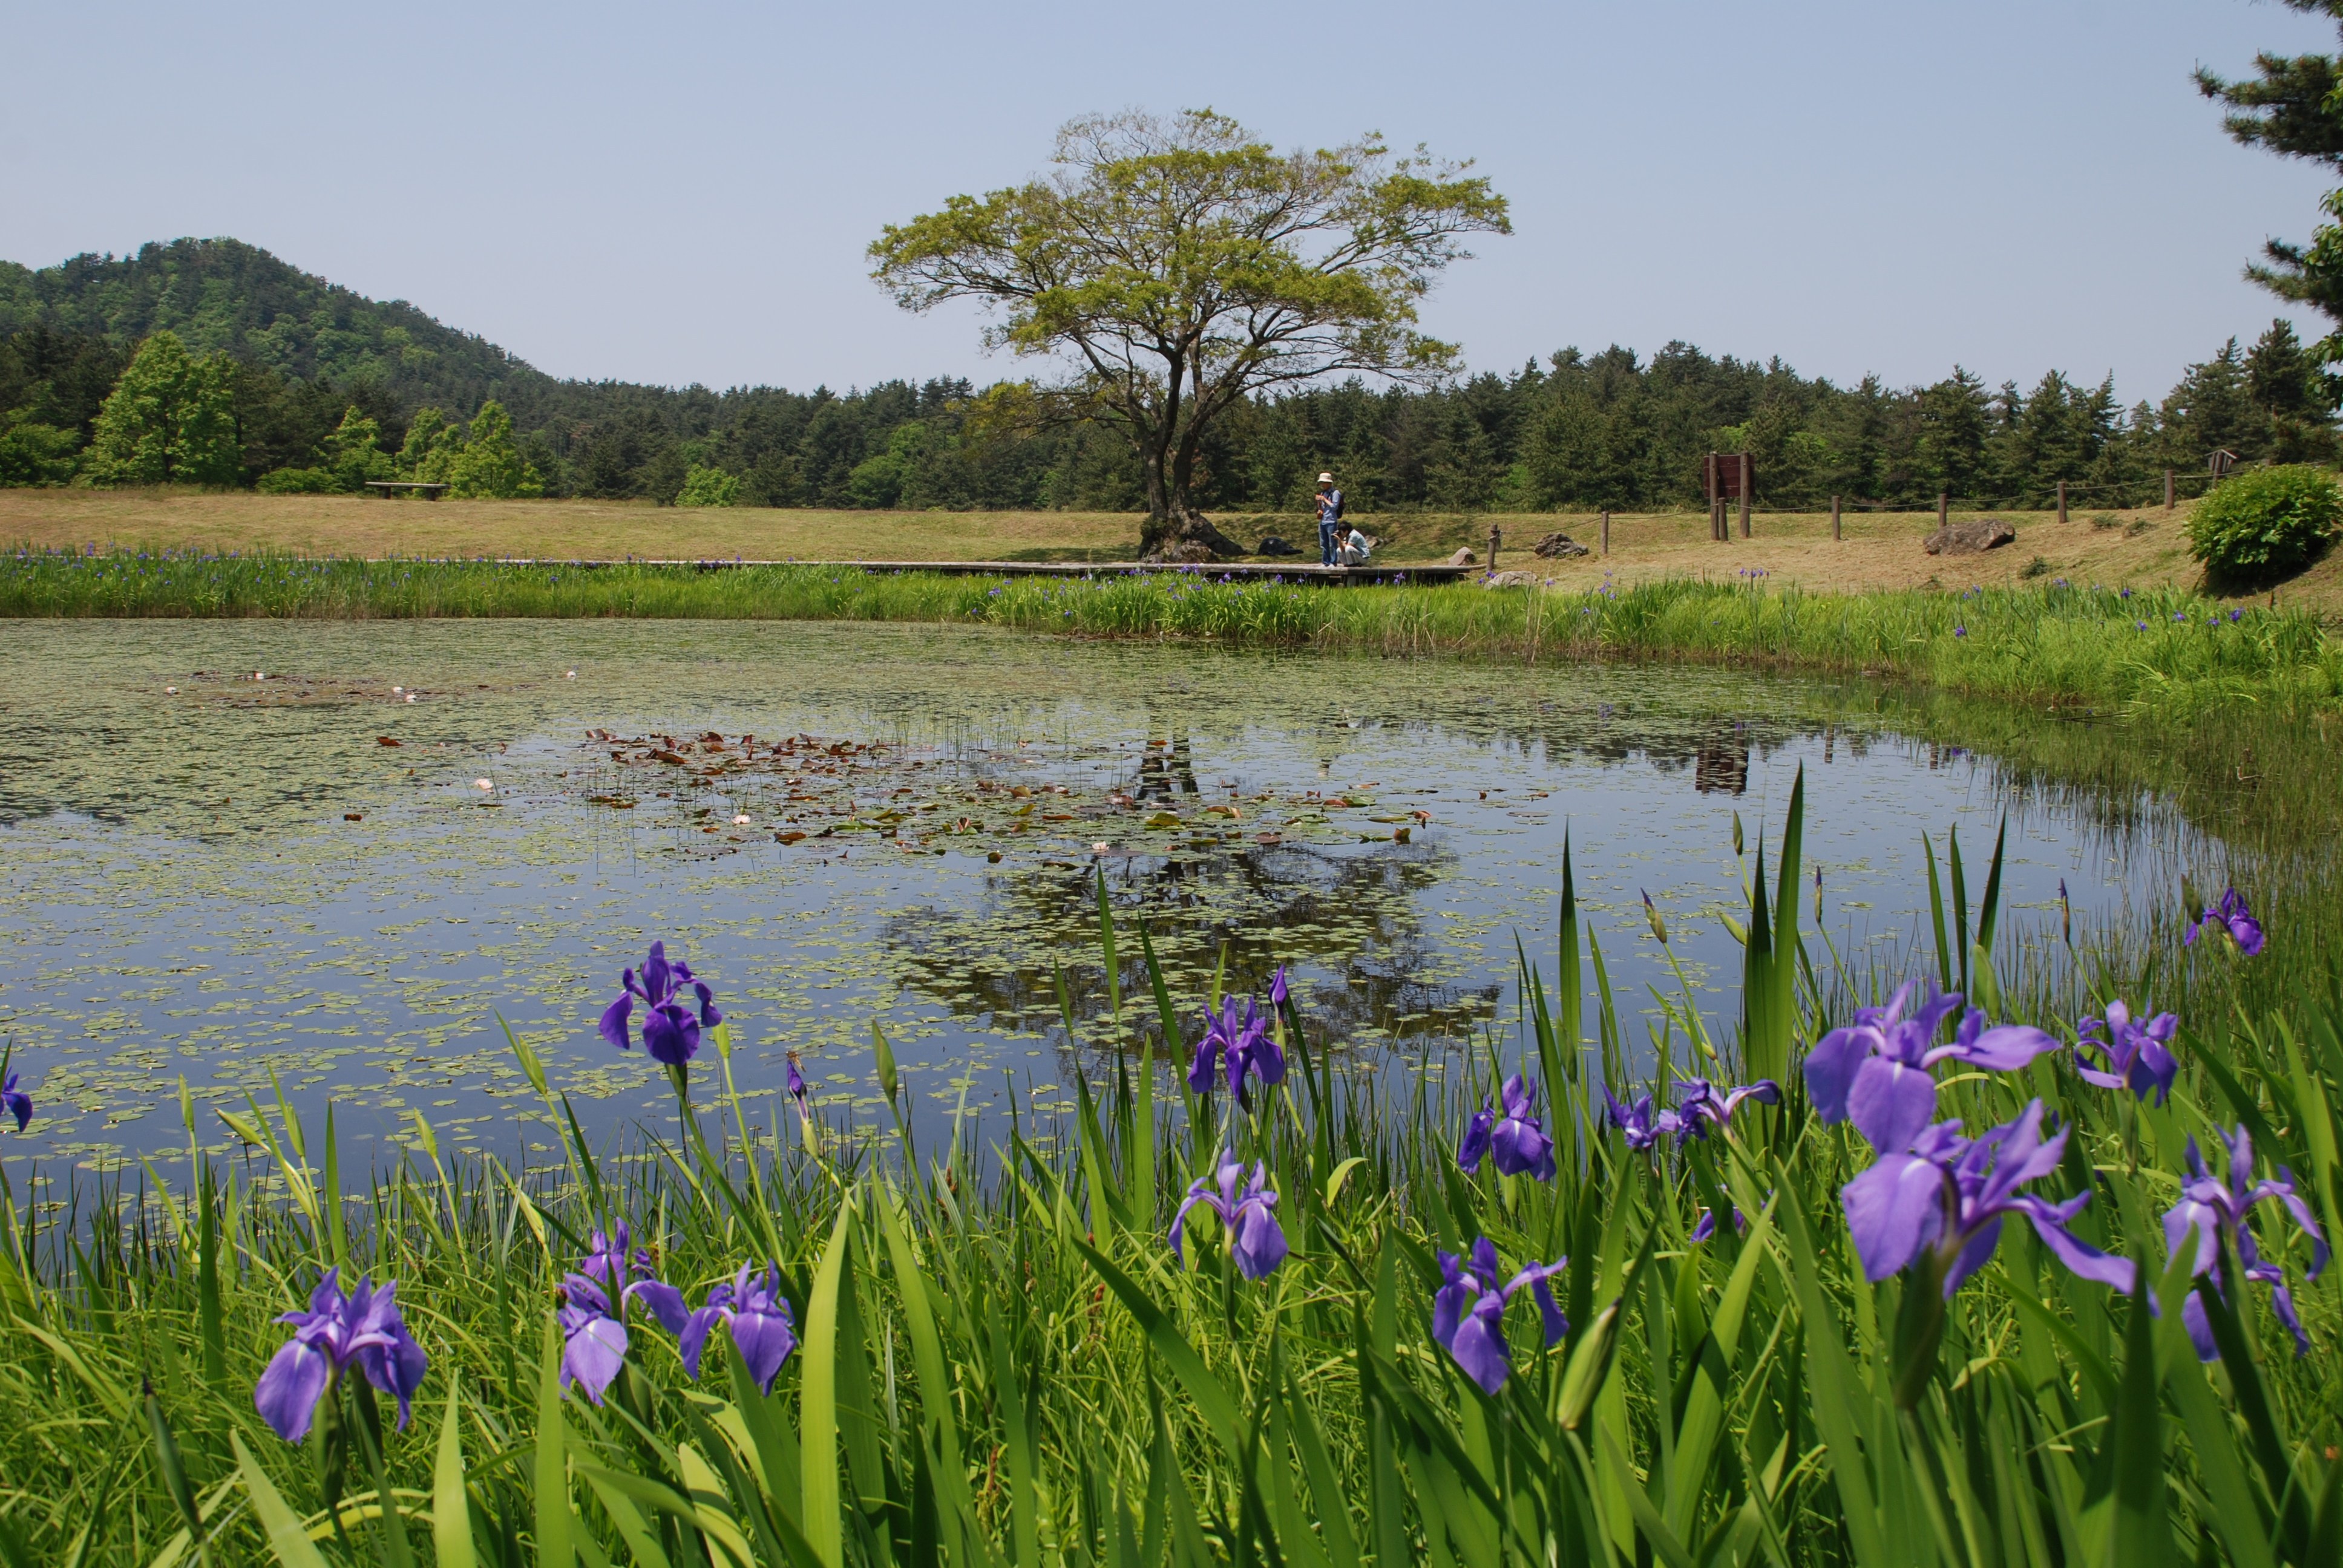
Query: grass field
column 2145, row 549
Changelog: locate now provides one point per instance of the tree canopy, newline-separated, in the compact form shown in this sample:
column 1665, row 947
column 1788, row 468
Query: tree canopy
column 1177, row 267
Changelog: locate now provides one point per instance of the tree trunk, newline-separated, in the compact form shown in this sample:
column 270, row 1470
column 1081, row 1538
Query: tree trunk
column 1182, row 534
column 1175, row 531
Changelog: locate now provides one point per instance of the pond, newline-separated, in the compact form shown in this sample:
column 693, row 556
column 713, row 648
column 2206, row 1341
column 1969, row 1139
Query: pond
column 336, row 855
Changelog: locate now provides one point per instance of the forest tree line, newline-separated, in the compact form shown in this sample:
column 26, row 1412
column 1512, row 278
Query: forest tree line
column 213, row 363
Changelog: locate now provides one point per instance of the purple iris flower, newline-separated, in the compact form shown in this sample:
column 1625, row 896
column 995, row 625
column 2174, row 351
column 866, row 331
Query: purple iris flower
column 1704, row 1103
column 2232, row 916
column 1468, row 1313
column 1948, row 1196
column 363, row 1327
column 797, row 1082
column 1641, row 1125
column 2211, row 1206
column 1706, row 1230
column 1874, row 1071
column 764, row 1330
column 1239, row 1044
column 1277, row 989
column 1515, row 1137
column 594, row 1341
column 2138, row 1055
column 14, row 1101
column 1255, row 1242
column 607, row 1260
column 670, row 1033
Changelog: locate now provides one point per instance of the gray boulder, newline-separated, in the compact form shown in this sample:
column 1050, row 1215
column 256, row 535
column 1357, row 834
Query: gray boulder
column 1556, row 546
column 1464, row 556
column 1513, row 579
column 1970, row 537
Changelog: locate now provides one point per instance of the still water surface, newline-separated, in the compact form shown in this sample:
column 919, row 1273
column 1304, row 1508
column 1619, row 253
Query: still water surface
column 219, row 870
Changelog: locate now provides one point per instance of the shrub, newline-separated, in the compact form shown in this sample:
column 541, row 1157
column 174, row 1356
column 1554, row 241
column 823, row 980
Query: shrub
column 36, row 454
column 2266, row 522
column 301, row 482
column 709, row 487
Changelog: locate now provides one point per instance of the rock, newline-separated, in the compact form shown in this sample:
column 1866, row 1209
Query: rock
column 1270, row 544
column 1513, row 579
column 1464, row 558
column 1183, row 553
column 1555, row 546
column 1974, row 535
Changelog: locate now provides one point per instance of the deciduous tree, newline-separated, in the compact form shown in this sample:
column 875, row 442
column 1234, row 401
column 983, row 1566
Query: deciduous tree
column 1175, row 266
column 171, row 419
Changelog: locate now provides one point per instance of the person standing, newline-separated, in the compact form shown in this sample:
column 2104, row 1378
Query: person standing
column 1330, row 518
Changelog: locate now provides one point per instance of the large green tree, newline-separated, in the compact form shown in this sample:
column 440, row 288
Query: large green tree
column 1174, row 267
column 171, row 419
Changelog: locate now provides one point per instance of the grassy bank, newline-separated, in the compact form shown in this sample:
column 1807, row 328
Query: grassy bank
column 999, row 1361
column 2142, row 549
column 2168, row 652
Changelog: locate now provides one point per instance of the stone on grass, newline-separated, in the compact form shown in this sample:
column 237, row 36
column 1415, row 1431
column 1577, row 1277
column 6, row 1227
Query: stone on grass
column 1513, row 579
column 1270, row 544
column 1970, row 537
column 1462, row 557
column 1554, row 546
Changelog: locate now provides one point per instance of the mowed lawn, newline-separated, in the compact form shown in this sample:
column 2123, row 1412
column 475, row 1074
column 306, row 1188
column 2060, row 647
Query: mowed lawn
column 2146, row 548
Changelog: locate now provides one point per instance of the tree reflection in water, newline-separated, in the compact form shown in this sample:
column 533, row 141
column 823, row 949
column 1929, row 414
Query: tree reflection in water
column 1350, row 913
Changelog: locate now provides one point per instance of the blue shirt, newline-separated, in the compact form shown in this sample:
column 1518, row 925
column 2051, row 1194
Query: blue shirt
column 1330, row 506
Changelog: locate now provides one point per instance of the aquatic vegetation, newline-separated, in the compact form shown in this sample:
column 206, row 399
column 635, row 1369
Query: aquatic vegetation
column 1016, row 1345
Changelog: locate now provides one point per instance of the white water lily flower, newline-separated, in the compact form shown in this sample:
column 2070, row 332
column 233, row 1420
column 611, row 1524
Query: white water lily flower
column 482, row 784
column 410, row 697
column 741, row 820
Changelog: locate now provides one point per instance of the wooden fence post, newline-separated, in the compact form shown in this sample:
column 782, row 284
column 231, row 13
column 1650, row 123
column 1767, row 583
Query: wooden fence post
column 1607, row 533
column 2062, row 501
column 1496, row 537
column 1746, row 477
column 1835, row 533
column 2168, row 497
column 1944, row 508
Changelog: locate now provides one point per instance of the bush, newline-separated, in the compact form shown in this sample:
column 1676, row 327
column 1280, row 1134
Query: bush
column 2266, row 522
column 709, row 487
column 35, row 454
column 301, row 482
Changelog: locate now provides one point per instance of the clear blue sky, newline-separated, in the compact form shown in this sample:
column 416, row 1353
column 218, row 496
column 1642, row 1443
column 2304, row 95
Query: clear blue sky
column 682, row 192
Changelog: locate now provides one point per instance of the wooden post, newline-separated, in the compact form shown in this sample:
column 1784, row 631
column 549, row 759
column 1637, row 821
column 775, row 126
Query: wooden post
column 1745, row 494
column 2062, row 501
column 1835, row 533
column 1607, row 533
column 2168, row 497
column 1944, row 508
column 1496, row 537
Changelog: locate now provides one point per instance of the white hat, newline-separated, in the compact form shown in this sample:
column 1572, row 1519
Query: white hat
column 1325, row 479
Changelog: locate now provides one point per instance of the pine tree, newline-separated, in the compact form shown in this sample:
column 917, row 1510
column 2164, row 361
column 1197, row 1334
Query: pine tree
column 171, row 419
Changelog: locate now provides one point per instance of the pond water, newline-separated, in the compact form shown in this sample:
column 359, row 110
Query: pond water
column 221, row 869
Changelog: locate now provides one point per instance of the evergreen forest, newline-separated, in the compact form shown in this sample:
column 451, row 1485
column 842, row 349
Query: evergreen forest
column 213, row 362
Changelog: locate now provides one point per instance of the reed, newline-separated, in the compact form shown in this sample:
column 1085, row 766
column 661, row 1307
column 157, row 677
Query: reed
column 2165, row 654
column 1003, row 1364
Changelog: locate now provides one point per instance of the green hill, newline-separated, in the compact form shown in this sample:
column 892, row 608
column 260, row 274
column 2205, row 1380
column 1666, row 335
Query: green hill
column 222, row 294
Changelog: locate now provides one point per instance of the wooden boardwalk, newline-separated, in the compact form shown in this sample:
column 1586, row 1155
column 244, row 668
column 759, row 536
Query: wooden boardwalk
column 1243, row 571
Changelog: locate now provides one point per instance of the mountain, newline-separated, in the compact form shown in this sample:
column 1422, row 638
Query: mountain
column 222, row 294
